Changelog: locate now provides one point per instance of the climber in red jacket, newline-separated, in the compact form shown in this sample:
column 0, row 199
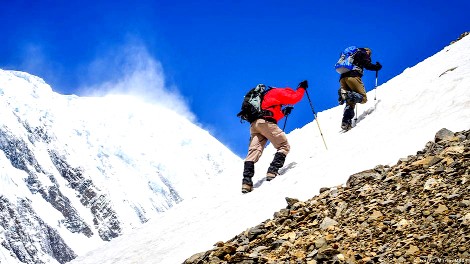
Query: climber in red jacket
column 266, row 128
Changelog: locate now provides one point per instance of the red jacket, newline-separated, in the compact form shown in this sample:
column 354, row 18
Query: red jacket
column 275, row 98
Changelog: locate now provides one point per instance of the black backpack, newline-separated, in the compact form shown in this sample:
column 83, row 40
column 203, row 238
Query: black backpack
column 251, row 106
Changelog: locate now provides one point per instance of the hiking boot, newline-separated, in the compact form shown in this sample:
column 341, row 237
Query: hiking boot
column 248, row 172
column 270, row 176
column 346, row 126
column 246, row 188
column 276, row 164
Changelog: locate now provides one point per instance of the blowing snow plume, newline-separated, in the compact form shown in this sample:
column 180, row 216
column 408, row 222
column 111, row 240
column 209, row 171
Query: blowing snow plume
column 131, row 70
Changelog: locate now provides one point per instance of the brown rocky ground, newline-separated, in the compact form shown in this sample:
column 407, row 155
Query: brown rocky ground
column 417, row 211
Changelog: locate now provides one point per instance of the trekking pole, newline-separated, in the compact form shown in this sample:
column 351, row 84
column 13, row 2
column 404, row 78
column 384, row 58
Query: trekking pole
column 285, row 122
column 286, row 111
column 376, row 77
column 355, row 119
column 316, row 119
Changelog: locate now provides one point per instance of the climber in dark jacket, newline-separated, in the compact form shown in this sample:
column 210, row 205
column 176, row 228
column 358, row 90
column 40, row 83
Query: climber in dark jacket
column 352, row 88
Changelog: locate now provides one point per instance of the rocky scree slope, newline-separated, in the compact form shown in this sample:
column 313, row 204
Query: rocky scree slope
column 415, row 211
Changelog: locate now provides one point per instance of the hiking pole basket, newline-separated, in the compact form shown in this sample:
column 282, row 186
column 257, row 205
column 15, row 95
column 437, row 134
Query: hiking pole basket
column 316, row 119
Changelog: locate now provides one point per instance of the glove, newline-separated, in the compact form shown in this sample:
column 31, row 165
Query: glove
column 378, row 65
column 286, row 111
column 340, row 101
column 303, row 84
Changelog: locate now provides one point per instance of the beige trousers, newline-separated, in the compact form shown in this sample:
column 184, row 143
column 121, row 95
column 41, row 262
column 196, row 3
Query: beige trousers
column 260, row 132
column 354, row 84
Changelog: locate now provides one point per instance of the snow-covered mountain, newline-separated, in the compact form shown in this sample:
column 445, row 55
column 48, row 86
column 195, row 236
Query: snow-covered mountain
column 407, row 112
column 78, row 171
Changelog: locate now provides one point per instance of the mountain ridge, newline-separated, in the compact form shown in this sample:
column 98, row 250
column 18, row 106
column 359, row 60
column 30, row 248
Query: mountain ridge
column 86, row 169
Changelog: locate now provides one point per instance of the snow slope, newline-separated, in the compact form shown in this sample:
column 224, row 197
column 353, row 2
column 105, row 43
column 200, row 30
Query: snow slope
column 407, row 112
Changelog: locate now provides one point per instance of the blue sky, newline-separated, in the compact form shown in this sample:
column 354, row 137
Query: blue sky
column 212, row 52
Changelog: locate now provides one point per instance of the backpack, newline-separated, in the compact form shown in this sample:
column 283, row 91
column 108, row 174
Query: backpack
column 251, row 105
column 346, row 60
